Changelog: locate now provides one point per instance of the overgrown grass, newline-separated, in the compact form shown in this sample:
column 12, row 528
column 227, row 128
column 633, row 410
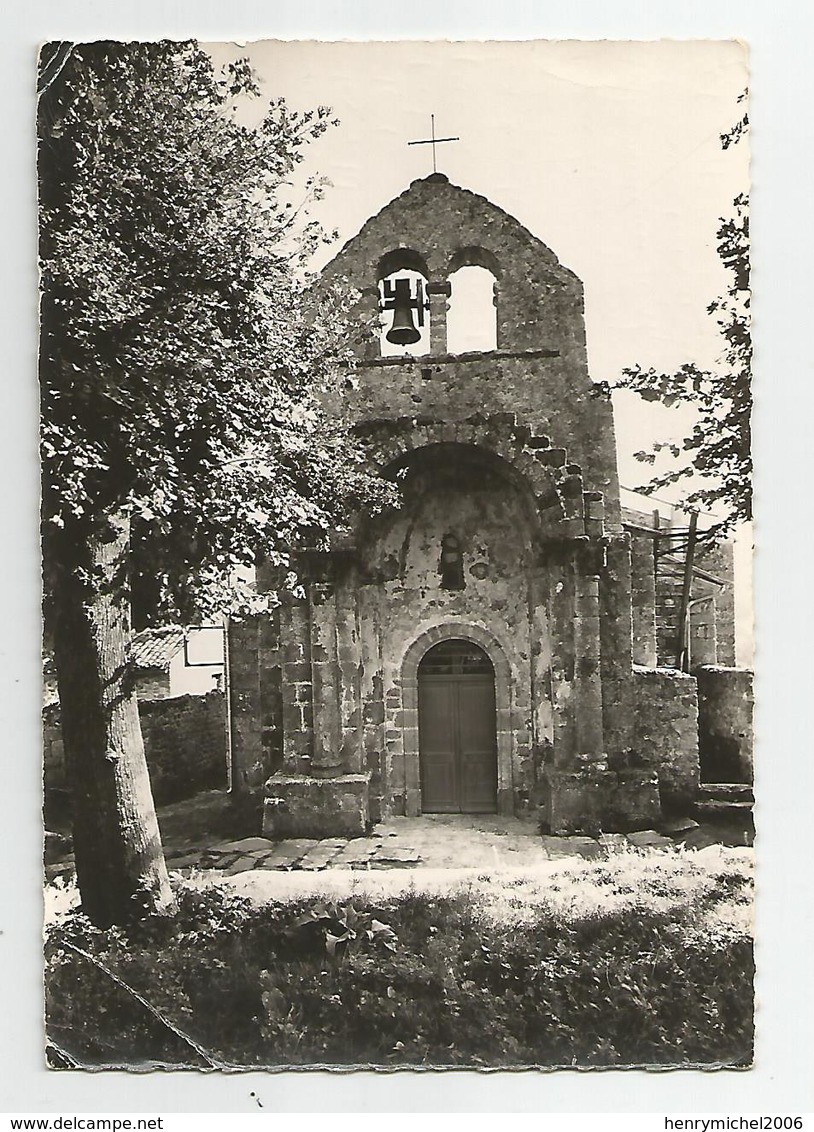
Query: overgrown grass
column 639, row 960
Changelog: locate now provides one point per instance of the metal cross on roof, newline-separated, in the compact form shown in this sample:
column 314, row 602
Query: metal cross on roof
column 433, row 141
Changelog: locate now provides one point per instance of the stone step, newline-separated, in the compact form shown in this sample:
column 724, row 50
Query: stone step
column 726, row 792
column 720, row 808
column 725, row 800
column 722, row 799
column 649, row 839
column 246, row 845
column 405, row 856
column 672, row 827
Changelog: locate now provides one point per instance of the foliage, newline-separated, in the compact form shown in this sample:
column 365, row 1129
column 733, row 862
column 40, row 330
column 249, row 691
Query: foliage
column 345, row 929
column 181, row 354
column 646, row 980
column 718, row 447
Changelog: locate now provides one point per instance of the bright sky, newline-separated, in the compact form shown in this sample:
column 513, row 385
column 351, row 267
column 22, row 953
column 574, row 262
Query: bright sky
column 608, row 152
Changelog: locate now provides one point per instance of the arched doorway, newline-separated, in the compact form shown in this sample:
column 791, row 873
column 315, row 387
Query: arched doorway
column 457, row 733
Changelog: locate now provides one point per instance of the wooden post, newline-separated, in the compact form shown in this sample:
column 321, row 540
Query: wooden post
column 681, row 640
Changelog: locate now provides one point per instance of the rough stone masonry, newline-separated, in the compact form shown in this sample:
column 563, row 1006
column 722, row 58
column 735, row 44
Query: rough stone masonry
column 473, row 649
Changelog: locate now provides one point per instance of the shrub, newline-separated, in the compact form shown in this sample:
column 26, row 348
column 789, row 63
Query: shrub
column 417, row 980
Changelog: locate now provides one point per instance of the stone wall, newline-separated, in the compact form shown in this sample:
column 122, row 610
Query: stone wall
column 442, row 226
column 490, row 521
column 153, row 684
column 703, row 642
column 666, row 731
column 720, row 561
column 185, row 745
column 246, row 660
column 725, row 726
column 560, row 402
column 184, row 741
column 657, row 598
column 643, row 595
column 554, row 619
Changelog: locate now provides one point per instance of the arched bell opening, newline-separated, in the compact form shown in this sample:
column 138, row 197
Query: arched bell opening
column 472, row 318
column 404, row 309
column 457, row 729
column 472, row 311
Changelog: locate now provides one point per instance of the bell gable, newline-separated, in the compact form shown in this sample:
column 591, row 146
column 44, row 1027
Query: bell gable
column 433, row 230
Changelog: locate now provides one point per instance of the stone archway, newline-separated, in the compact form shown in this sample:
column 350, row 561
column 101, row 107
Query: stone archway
column 457, row 729
column 413, row 656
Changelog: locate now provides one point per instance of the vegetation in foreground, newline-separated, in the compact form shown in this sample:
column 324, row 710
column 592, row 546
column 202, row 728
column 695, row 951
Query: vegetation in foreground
column 632, row 961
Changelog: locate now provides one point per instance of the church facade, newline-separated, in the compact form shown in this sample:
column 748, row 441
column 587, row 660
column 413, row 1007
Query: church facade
column 478, row 649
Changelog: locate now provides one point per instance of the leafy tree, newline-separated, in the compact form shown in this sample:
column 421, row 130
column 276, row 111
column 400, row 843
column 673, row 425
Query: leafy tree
column 718, row 447
column 181, row 366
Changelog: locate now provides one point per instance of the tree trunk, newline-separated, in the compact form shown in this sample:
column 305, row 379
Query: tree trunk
column 120, row 865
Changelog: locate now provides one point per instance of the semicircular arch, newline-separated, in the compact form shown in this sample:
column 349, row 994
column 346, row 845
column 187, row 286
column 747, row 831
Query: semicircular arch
column 474, row 256
column 416, row 649
column 553, row 487
column 401, row 259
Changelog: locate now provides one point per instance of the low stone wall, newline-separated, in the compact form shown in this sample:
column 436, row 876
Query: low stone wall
column 184, row 740
column 185, row 744
column 725, row 735
column 666, row 731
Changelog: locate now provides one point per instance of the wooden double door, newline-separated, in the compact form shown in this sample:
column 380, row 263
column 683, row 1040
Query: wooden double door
column 457, row 733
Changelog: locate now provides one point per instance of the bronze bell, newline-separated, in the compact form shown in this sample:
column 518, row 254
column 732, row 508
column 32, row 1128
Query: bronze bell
column 398, row 297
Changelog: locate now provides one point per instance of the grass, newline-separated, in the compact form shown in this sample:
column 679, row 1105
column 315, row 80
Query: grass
column 637, row 960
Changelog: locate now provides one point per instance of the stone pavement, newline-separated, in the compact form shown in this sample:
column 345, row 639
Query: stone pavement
column 433, row 841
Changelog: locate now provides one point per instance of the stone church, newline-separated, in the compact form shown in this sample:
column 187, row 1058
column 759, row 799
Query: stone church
column 480, row 649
